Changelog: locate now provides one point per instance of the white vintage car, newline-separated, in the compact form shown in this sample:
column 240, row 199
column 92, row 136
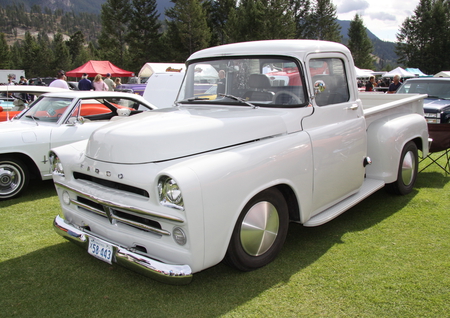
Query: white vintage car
column 15, row 98
column 55, row 119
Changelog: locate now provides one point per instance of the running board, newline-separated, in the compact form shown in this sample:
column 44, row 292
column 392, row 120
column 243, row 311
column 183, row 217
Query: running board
column 368, row 187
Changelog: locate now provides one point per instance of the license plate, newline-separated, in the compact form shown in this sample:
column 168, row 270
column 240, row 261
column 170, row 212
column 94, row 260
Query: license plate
column 100, row 249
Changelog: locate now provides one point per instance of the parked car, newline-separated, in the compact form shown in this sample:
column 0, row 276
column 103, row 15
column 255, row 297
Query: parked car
column 437, row 105
column 55, row 119
column 220, row 179
column 15, row 98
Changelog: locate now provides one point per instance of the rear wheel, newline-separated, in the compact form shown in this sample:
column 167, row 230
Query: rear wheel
column 14, row 177
column 407, row 171
column 260, row 231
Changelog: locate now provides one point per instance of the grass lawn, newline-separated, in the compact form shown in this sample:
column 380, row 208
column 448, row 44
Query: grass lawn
column 389, row 256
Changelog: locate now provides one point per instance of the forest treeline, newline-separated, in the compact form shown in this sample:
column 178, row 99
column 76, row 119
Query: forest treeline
column 130, row 33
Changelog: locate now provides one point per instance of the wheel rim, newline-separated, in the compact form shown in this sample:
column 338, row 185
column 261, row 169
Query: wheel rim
column 259, row 228
column 408, row 168
column 10, row 179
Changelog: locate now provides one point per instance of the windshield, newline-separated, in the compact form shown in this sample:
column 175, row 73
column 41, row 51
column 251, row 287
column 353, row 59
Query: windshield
column 49, row 109
column 260, row 81
column 434, row 89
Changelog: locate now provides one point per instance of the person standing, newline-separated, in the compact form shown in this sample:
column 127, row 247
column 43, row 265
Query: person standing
column 59, row 81
column 99, row 84
column 118, row 81
column 394, row 85
column 109, row 82
column 221, row 83
column 85, row 84
column 370, row 84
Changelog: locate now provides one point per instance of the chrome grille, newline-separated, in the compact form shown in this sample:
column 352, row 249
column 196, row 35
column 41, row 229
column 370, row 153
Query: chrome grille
column 116, row 215
column 111, row 184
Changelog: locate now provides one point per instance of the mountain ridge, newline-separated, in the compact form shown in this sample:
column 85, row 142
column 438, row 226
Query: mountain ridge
column 383, row 50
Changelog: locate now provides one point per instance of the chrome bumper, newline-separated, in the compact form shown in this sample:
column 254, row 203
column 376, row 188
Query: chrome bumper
column 166, row 273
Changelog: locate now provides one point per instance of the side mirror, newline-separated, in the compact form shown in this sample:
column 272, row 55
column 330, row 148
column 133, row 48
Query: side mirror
column 72, row 121
column 319, row 87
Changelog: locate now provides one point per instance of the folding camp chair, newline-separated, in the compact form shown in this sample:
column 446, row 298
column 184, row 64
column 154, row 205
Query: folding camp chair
column 440, row 147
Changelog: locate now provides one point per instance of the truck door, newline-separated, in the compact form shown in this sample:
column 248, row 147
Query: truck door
column 337, row 130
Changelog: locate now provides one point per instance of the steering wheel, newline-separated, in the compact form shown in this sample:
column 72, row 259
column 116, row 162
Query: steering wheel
column 286, row 98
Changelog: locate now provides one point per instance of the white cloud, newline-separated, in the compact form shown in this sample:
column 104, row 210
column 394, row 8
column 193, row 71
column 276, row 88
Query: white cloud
column 382, row 17
column 346, row 6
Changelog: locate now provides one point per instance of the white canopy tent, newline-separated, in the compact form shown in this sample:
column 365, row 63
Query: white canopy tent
column 442, row 74
column 360, row 73
column 399, row 71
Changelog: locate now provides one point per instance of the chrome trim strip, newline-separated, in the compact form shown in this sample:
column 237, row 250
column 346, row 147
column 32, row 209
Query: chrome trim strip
column 166, row 273
column 121, row 207
column 121, row 220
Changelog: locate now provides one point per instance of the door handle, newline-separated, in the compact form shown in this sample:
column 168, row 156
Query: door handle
column 353, row 107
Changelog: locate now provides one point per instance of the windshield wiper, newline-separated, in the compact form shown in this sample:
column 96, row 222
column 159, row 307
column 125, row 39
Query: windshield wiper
column 35, row 119
column 197, row 98
column 239, row 99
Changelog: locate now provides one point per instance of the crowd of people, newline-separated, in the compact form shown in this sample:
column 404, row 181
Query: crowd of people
column 85, row 84
column 390, row 86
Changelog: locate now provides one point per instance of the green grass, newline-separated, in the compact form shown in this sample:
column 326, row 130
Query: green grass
column 389, row 256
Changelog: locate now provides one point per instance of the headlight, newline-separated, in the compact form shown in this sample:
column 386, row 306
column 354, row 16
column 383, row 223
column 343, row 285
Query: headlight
column 169, row 193
column 55, row 164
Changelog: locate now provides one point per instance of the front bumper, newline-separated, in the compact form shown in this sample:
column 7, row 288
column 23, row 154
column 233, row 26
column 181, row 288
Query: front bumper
column 166, row 273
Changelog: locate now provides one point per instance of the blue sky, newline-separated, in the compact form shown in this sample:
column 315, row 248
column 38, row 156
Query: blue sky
column 382, row 17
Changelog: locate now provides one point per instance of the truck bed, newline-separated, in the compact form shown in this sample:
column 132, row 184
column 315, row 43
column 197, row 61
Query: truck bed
column 376, row 105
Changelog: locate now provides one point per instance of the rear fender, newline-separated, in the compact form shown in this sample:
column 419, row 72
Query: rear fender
column 386, row 138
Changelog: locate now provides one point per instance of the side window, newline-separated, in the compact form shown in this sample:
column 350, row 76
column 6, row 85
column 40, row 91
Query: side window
column 330, row 74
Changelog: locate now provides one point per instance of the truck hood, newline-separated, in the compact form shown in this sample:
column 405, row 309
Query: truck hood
column 174, row 133
column 435, row 104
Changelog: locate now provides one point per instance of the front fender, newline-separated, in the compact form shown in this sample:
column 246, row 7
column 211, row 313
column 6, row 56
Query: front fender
column 386, row 138
column 229, row 179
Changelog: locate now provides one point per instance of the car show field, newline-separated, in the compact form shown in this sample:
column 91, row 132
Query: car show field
column 388, row 261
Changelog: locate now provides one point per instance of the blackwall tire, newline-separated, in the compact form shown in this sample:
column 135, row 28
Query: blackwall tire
column 260, row 231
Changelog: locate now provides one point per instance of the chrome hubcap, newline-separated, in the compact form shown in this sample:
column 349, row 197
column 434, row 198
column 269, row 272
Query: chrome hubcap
column 408, row 168
column 10, row 179
column 259, row 228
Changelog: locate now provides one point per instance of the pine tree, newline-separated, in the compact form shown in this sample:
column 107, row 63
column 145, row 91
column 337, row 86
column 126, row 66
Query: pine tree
column 188, row 30
column 144, row 35
column 75, row 45
column 112, row 42
column 29, row 55
column 247, row 22
column 360, row 44
column 322, row 23
column 62, row 59
column 45, row 56
column 280, row 20
column 302, row 12
column 424, row 38
column 218, row 12
column 5, row 53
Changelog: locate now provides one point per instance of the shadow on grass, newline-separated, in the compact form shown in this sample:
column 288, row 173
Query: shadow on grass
column 36, row 190
column 63, row 280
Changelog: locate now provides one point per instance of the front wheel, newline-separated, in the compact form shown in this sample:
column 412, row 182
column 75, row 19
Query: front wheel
column 260, row 231
column 407, row 171
column 14, row 177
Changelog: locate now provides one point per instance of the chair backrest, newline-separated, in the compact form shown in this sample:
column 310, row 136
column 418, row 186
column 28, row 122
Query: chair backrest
column 260, row 83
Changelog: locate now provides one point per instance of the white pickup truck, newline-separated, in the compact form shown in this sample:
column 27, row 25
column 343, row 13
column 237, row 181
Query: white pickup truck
column 283, row 136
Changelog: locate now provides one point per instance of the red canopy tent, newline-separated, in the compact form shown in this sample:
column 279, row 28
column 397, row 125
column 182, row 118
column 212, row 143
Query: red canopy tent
column 93, row 68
